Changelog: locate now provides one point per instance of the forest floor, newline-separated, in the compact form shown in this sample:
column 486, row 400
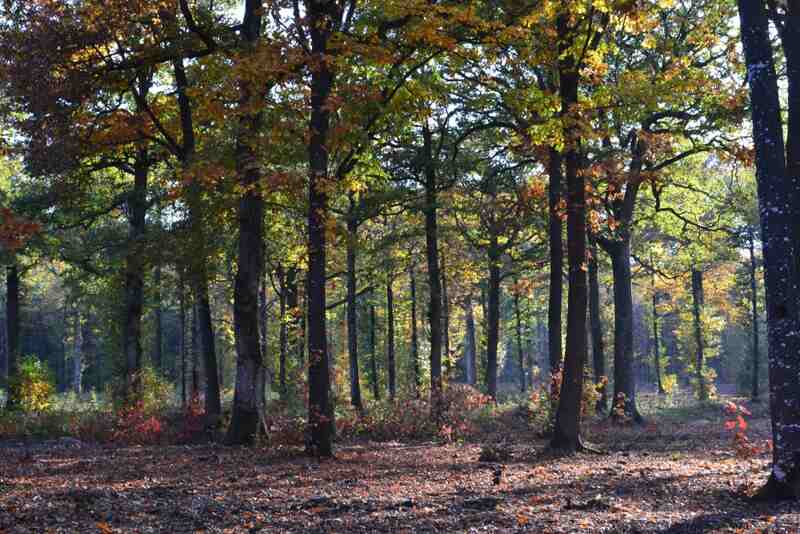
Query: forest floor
column 678, row 473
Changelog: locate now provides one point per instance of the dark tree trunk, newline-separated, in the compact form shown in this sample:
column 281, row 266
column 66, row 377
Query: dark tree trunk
column 556, row 266
column 250, row 376
column 321, row 18
column 77, row 353
column 434, row 276
column 414, row 334
column 656, row 343
column 352, row 311
column 134, row 277
column 295, row 322
column 470, row 346
column 390, row 358
column 624, row 401
column 195, row 354
column 566, row 433
column 754, row 316
column 523, row 386
column 263, row 329
column 158, row 330
column 182, row 336
column 778, row 207
column 12, row 327
column 283, row 337
column 445, row 316
column 596, row 326
column 699, row 341
column 493, row 335
column 376, row 392
column 199, row 256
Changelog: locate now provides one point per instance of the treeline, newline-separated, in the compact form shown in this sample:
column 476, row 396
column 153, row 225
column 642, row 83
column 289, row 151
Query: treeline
column 386, row 195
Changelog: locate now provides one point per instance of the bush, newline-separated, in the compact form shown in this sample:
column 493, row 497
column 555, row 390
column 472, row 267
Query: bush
column 542, row 407
column 33, row 387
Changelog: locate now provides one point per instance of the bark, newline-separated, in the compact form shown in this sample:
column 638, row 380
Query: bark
column 699, row 341
column 12, row 327
column 352, row 311
column 566, row 433
column 77, row 354
column 493, row 334
column 445, row 316
column 596, row 327
column 754, row 317
column 198, row 261
column 656, row 343
column 283, row 334
column 434, row 276
column 250, row 376
column 182, row 336
column 195, row 354
column 556, row 265
column 414, row 334
column 520, row 351
column 158, row 331
column 624, row 400
column 88, row 349
column 777, row 193
column 134, row 278
column 321, row 16
column 470, row 346
column 390, row 357
column 376, row 392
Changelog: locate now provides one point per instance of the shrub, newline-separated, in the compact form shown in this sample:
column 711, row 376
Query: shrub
column 33, row 387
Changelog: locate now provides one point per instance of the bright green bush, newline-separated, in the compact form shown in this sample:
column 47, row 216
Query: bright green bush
column 33, row 387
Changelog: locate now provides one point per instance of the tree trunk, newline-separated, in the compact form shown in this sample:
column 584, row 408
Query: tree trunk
column 352, row 312
column 493, row 335
column 134, row 278
column 624, row 401
column 596, row 326
column 414, row 334
column 320, row 17
column 195, row 354
column 656, row 343
column 697, row 312
column 777, row 192
column 77, row 354
column 445, row 316
column 283, row 334
column 376, row 392
column 198, row 260
column 182, row 336
column 434, row 276
column 12, row 327
column 754, row 316
column 470, row 346
column 390, row 358
column 250, row 376
column 556, row 266
column 566, row 434
column 523, row 385
column 158, row 331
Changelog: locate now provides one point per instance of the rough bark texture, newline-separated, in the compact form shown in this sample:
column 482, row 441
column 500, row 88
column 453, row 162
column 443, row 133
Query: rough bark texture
column 493, row 335
column 250, row 376
column 352, row 310
column 390, row 358
column 754, row 391
column 12, row 326
column 470, row 346
column 321, row 17
column 199, row 257
column 134, row 277
column 434, row 276
column 566, row 433
column 777, row 195
column 414, row 334
column 699, row 341
column 596, row 327
column 555, row 297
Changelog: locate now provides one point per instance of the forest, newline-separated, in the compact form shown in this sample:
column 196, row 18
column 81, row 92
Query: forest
column 400, row 266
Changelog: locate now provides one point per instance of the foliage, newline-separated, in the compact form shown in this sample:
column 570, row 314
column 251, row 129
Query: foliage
column 34, row 385
column 737, row 424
